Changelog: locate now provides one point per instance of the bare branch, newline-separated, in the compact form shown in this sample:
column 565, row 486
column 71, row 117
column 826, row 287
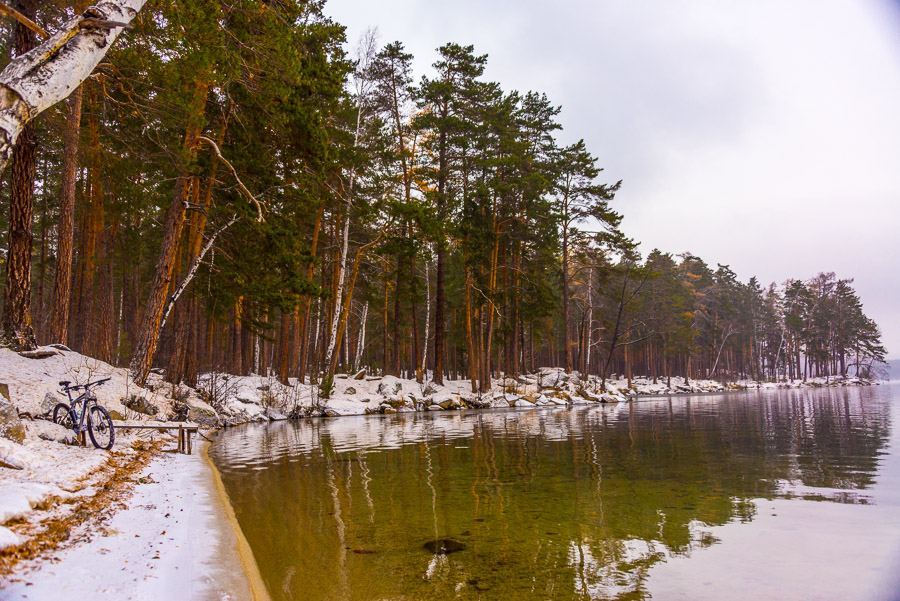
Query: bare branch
column 241, row 186
column 11, row 12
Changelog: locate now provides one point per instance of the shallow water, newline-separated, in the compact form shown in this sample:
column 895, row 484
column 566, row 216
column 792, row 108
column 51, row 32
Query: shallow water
column 772, row 495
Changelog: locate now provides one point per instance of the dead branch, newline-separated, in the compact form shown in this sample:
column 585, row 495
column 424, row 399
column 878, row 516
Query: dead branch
column 241, row 186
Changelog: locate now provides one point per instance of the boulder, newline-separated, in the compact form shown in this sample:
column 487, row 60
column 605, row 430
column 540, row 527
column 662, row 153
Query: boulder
column 4, row 392
column 53, row 432
column 331, row 413
column 350, row 390
column 389, row 410
column 60, row 347
column 360, row 375
column 478, row 403
column 38, row 354
column 140, row 405
column 435, row 408
column 201, row 413
column 11, row 427
column 449, row 404
column 11, row 463
column 389, row 388
column 395, row 402
column 49, row 403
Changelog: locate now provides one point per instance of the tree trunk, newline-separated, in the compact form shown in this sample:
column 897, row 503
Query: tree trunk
column 142, row 360
column 16, row 325
column 59, row 321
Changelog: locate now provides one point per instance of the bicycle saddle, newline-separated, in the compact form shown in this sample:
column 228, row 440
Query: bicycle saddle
column 65, row 383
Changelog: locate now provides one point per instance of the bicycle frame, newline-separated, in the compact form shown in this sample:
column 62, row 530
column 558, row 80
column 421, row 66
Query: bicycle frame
column 86, row 399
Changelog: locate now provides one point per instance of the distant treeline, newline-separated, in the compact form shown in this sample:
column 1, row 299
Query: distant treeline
column 231, row 191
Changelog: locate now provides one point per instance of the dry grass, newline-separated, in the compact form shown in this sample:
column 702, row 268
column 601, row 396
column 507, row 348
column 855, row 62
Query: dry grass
column 114, row 483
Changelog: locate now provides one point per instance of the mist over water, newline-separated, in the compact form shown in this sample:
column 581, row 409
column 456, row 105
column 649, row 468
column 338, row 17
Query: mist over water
column 794, row 494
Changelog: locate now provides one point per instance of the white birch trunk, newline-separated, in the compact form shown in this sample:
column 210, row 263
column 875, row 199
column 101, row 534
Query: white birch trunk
column 362, row 93
column 256, row 354
column 427, row 322
column 590, row 323
column 192, row 271
column 361, row 343
column 47, row 75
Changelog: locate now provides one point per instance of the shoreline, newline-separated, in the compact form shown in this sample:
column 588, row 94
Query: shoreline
column 247, row 562
column 48, row 486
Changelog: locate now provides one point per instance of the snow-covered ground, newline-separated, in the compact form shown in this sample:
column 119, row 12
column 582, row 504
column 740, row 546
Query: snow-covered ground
column 170, row 542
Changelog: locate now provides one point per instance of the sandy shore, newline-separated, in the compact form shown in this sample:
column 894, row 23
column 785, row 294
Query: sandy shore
column 177, row 539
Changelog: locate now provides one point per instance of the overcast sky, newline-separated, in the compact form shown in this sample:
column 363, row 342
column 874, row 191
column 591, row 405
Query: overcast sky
column 762, row 134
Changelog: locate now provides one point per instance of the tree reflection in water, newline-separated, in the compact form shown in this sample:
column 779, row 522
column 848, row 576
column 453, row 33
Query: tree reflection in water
column 561, row 504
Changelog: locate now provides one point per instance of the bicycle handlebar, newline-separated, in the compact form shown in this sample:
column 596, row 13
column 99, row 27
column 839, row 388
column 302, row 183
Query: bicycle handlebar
column 65, row 385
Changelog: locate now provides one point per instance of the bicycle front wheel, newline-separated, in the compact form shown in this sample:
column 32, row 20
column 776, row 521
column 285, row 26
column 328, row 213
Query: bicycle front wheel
column 100, row 427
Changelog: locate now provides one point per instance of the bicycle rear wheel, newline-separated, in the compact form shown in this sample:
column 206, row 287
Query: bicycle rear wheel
column 64, row 416
column 100, row 427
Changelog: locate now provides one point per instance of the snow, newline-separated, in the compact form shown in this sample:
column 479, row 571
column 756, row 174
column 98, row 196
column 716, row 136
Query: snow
column 171, row 542
column 8, row 538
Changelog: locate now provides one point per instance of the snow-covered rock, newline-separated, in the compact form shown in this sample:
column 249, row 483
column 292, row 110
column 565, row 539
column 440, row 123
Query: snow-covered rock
column 8, row 538
column 11, row 427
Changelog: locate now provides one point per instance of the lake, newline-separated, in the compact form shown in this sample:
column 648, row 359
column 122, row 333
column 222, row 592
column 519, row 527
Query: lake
column 791, row 494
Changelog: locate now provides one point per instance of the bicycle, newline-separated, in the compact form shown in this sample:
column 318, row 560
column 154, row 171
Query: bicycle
column 72, row 415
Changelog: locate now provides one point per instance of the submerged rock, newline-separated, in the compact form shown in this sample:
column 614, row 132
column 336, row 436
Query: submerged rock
column 444, row 546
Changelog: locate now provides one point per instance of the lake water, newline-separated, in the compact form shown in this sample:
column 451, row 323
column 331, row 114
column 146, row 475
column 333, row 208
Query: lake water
column 764, row 495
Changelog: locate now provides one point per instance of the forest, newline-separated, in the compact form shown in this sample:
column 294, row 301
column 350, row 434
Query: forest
column 234, row 190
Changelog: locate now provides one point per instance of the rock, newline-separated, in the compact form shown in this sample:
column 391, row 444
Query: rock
column 350, row 390
column 589, row 395
column 60, row 347
column 364, row 400
column 389, row 410
column 113, row 414
column 444, row 546
column 201, row 413
column 49, row 403
column 372, row 378
column 264, row 388
column 372, row 410
column 53, row 432
column 435, row 408
column 360, row 375
column 4, row 392
column 275, row 416
column 331, row 413
column 180, row 412
column 11, row 463
column 140, row 405
column 478, row 403
column 389, row 388
column 396, row 402
column 449, row 404
column 431, row 388
column 11, row 427
column 38, row 354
